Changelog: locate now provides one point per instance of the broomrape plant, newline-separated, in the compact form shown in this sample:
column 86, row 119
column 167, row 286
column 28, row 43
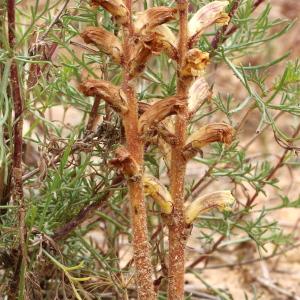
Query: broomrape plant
column 144, row 84
column 149, row 35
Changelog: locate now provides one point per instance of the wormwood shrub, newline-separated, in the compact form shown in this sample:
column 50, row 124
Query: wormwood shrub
column 140, row 76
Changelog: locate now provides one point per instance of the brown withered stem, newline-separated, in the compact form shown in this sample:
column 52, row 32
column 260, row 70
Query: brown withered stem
column 18, row 195
column 135, row 147
column 93, row 117
column 64, row 231
column 177, row 225
column 4, row 186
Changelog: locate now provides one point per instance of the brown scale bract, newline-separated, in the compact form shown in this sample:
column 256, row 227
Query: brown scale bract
column 125, row 163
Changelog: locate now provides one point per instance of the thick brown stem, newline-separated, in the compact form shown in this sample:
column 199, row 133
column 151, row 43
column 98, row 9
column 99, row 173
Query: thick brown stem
column 177, row 225
column 135, row 146
column 18, row 195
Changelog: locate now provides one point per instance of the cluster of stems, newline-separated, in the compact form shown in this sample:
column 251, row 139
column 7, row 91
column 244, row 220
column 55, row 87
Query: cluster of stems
column 139, row 40
column 169, row 124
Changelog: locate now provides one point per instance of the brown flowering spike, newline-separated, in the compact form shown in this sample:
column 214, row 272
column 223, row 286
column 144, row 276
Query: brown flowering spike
column 198, row 93
column 152, row 17
column 106, row 91
column 116, row 7
column 206, row 16
column 106, row 41
column 158, row 112
column 195, row 63
column 125, row 163
column 156, row 190
column 222, row 200
column 215, row 132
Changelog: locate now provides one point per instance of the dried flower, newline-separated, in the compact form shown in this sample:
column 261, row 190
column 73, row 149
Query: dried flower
column 152, row 17
column 198, row 93
column 110, row 93
column 160, row 132
column 215, row 132
column 125, row 163
column 159, row 193
column 222, row 200
column 158, row 112
column 168, row 40
column 106, row 41
column 223, row 19
column 206, row 16
column 116, row 7
column 148, row 45
column 151, row 44
column 154, row 38
column 195, row 63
